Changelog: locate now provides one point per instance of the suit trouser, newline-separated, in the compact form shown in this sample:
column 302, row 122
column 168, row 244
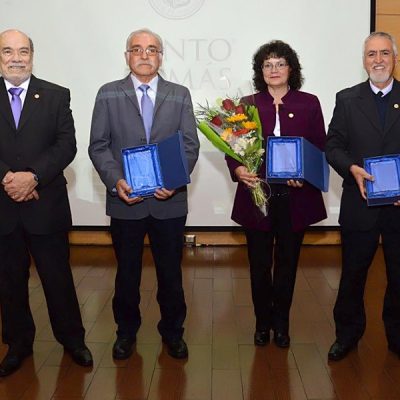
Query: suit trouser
column 358, row 250
column 166, row 242
column 279, row 249
column 51, row 256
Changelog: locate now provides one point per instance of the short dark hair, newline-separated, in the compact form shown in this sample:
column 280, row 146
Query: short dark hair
column 276, row 49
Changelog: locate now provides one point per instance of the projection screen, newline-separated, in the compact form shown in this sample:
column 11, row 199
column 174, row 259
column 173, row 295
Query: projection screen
column 208, row 48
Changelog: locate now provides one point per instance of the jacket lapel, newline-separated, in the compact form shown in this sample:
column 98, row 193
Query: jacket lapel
column 5, row 107
column 393, row 110
column 32, row 101
column 368, row 106
column 129, row 90
column 162, row 93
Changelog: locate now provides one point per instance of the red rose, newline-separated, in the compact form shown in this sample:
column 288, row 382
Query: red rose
column 228, row 104
column 240, row 132
column 240, row 109
column 217, row 120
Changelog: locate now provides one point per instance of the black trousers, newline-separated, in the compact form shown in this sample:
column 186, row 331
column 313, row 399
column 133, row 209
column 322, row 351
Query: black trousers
column 273, row 258
column 358, row 250
column 51, row 256
column 166, row 241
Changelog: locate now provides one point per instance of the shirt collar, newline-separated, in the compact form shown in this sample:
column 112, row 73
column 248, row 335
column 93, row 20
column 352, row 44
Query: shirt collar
column 153, row 83
column 385, row 90
column 24, row 85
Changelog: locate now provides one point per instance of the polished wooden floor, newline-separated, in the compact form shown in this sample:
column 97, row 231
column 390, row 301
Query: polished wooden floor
column 223, row 363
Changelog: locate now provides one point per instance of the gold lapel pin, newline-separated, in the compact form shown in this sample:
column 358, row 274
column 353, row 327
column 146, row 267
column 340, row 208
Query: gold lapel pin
column 395, row 105
column 291, row 115
column 36, row 96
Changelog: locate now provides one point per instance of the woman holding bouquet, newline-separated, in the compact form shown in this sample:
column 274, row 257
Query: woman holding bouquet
column 274, row 241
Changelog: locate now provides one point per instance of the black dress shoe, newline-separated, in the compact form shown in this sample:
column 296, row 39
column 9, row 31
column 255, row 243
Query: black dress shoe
column 281, row 339
column 80, row 355
column 177, row 348
column 13, row 361
column 339, row 351
column 261, row 338
column 123, row 348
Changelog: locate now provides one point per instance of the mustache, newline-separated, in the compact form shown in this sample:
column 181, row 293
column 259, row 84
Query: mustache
column 139, row 63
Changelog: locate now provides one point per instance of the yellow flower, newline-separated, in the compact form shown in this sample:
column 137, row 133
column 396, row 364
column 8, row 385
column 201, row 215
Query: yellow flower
column 250, row 125
column 236, row 118
column 226, row 133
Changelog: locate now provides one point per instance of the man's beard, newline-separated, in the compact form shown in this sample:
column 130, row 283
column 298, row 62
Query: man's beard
column 379, row 77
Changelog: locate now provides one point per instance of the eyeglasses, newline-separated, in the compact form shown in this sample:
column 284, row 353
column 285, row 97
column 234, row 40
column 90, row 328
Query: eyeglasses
column 278, row 66
column 138, row 51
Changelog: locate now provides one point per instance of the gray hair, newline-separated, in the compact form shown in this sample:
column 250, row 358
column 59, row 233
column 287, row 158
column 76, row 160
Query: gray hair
column 149, row 32
column 31, row 48
column 30, row 44
column 384, row 35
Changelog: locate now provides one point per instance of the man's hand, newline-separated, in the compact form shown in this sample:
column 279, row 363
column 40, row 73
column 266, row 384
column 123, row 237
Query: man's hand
column 248, row 178
column 33, row 196
column 360, row 175
column 163, row 194
column 7, row 178
column 20, row 185
column 123, row 190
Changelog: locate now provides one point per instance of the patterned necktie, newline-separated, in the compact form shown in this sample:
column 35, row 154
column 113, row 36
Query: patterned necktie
column 147, row 111
column 16, row 103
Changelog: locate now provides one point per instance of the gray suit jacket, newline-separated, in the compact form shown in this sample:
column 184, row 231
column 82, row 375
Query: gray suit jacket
column 117, row 124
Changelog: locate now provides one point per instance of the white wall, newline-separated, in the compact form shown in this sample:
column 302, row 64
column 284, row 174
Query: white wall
column 208, row 47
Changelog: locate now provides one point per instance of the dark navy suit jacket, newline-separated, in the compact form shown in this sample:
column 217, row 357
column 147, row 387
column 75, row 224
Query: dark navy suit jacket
column 355, row 132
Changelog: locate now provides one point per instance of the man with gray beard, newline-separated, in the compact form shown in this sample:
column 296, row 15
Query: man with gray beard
column 366, row 123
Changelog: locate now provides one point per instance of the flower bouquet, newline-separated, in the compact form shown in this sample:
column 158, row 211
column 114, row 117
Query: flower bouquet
column 235, row 129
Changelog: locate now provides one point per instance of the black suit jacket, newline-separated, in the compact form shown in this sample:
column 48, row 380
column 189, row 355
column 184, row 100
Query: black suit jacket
column 355, row 132
column 44, row 143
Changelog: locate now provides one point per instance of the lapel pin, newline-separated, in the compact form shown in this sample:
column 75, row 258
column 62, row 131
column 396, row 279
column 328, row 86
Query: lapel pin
column 396, row 105
column 291, row 115
column 36, row 96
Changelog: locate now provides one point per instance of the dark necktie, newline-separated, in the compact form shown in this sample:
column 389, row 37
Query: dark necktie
column 16, row 103
column 381, row 102
column 147, row 111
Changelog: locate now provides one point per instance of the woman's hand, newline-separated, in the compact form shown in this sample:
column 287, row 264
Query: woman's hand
column 248, row 178
column 295, row 184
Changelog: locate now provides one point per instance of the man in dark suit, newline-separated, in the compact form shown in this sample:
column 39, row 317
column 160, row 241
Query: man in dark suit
column 37, row 142
column 366, row 123
column 120, row 120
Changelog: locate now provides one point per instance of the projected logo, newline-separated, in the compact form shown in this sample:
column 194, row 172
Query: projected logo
column 176, row 9
column 199, row 63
